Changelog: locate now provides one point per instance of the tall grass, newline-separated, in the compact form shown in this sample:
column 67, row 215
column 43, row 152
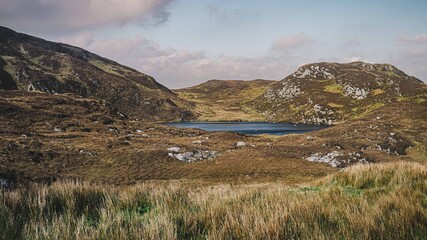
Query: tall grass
column 384, row 201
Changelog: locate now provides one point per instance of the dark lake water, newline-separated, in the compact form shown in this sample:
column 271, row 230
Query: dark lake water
column 251, row 128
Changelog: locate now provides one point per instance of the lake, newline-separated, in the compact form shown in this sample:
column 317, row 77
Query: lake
column 250, row 128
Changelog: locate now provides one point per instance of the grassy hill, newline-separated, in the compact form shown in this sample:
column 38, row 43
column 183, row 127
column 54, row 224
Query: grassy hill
column 73, row 165
column 225, row 100
column 327, row 93
column 45, row 137
column 33, row 64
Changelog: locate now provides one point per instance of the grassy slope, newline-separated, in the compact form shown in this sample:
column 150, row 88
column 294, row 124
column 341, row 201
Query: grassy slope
column 95, row 145
column 364, row 202
column 225, row 100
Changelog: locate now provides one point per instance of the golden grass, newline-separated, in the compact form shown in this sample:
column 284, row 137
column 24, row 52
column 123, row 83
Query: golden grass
column 384, row 201
column 377, row 91
column 227, row 104
column 333, row 88
column 334, row 105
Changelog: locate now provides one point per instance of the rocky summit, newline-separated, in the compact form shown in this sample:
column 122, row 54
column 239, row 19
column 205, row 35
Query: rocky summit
column 32, row 64
column 329, row 93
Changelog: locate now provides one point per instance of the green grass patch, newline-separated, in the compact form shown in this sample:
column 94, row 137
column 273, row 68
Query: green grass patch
column 333, row 88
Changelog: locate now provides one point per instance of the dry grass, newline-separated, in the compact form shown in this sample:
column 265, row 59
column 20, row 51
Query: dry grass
column 333, row 88
column 225, row 100
column 384, row 201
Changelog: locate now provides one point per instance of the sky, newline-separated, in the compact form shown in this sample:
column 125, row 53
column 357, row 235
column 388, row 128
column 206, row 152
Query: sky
column 186, row 42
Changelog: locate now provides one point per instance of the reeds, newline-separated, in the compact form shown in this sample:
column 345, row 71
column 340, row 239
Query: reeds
column 382, row 201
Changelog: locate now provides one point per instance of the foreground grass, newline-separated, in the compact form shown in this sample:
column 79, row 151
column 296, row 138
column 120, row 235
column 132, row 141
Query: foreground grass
column 385, row 201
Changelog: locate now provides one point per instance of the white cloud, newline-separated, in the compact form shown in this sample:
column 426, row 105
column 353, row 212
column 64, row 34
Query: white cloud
column 182, row 68
column 65, row 15
column 292, row 42
column 411, row 60
column 350, row 44
column 419, row 39
column 355, row 59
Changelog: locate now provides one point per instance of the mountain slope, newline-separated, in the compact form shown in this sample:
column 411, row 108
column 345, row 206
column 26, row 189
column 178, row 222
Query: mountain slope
column 33, row 64
column 327, row 93
column 222, row 100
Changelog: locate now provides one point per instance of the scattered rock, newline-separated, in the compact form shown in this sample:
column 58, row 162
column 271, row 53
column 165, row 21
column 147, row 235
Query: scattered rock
column 114, row 130
column 339, row 159
column 174, row 150
column 86, row 152
column 329, row 158
column 194, row 156
column 309, row 138
column 7, row 184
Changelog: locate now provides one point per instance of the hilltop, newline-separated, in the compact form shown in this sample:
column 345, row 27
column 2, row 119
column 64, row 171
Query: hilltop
column 29, row 63
column 319, row 93
column 329, row 93
column 225, row 100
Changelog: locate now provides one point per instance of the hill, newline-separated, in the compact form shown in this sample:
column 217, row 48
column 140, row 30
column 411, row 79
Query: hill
column 33, row 64
column 48, row 137
column 56, row 122
column 328, row 93
column 225, row 100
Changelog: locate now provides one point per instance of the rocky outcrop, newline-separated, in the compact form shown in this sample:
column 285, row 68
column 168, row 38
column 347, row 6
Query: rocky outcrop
column 338, row 158
column 191, row 156
column 327, row 93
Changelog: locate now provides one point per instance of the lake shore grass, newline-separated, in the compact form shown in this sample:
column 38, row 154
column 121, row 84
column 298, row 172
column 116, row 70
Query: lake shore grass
column 378, row 201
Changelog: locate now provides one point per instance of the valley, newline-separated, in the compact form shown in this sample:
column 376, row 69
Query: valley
column 84, row 149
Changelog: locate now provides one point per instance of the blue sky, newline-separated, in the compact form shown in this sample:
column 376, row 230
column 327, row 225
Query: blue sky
column 185, row 42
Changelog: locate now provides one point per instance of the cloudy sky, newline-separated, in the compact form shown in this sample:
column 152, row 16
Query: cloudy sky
column 185, row 42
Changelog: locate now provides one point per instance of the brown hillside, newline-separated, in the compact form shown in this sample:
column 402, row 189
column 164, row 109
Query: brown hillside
column 33, row 64
column 225, row 100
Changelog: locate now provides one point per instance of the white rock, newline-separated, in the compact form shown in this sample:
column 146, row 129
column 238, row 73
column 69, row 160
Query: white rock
column 240, row 144
column 197, row 142
column 328, row 158
column 195, row 156
column 174, row 149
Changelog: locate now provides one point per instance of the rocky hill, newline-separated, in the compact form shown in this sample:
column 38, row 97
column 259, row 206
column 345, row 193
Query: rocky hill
column 225, row 100
column 328, row 93
column 33, row 64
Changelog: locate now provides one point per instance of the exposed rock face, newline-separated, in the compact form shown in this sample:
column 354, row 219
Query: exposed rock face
column 32, row 64
column 337, row 159
column 193, row 156
column 287, row 92
column 326, row 93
